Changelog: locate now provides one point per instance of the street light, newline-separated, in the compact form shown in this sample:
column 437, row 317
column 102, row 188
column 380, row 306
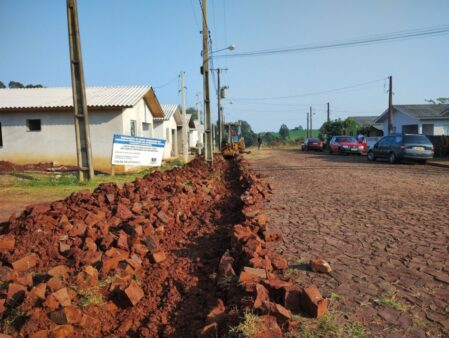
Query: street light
column 230, row 47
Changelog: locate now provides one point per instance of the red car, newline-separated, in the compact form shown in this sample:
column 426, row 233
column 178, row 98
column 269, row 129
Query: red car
column 313, row 144
column 345, row 145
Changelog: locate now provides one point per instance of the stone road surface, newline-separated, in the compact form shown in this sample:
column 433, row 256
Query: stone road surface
column 383, row 228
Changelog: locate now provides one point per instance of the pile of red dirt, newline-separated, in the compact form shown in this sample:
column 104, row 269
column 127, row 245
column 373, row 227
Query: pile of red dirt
column 162, row 256
column 6, row 166
column 135, row 260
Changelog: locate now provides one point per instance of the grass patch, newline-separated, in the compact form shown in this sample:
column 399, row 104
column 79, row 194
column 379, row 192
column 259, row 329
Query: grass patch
column 333, row 297
column 247, row 327
column 328, row 326
column 389, row 299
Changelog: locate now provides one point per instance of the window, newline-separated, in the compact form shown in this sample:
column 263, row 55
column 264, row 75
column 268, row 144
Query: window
column 1, row 137
column 33, row 125
column 133, row 128
column 146, row 129
column 167, row 135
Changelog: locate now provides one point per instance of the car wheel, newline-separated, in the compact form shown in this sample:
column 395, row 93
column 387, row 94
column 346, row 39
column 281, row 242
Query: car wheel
column 330, row 151
column 392, row 158
column 371, row 156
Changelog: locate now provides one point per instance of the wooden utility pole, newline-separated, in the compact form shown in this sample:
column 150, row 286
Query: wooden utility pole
column 208, row 119
column 185, row 126
column 311, row 129
column 82, row 133
column 200, row 124
column 390, row 106
column 220, row 116
column 328, row 113
column 307, row 133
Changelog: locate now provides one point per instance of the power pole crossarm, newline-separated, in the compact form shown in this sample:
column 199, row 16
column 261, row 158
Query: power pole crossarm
column 83, row 146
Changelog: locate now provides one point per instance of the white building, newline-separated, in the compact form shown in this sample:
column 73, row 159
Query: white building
column 167, row 128
column 427, row 119
column 37, row 124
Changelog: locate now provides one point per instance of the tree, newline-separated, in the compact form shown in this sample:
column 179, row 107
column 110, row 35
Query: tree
column 332, row 128
column 2, row 85
column 247, row 132
column 439, row 100
column 15, row 84
column 284, row 132
column 192, row 111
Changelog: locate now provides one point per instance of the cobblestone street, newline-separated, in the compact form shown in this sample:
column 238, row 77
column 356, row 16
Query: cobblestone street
column 383, row 228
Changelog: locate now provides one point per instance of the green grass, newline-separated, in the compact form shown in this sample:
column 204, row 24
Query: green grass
column 248, row 327
column 294, row 134
column 389, row 299
column 328, row 326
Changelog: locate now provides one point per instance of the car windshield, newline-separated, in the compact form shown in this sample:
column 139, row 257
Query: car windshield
column 416, row 139
column 372, row 139
column 314, row 140
column 345, row 139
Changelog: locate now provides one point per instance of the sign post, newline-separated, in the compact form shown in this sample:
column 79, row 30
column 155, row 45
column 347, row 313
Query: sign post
column 137, row 151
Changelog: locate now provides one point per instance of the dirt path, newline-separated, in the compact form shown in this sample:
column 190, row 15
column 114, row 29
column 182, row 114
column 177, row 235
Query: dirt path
column 383, row 228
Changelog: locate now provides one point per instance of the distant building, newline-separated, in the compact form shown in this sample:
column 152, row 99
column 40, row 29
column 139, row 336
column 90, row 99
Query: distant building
column 167, row 128
column 427, row 119
column 368, row 124
column 37, row 125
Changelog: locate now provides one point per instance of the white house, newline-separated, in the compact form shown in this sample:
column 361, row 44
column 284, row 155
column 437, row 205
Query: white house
column 427, row 119
column 37, row 124
column 167, row 128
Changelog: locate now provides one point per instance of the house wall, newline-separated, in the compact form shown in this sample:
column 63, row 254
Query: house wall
column 399, row 120
column 160, row 131
column 141, row 114
column 441, row 127
column 55, row 142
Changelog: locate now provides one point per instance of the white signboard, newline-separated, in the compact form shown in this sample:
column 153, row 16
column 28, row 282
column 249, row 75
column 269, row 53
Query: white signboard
column 137, row 151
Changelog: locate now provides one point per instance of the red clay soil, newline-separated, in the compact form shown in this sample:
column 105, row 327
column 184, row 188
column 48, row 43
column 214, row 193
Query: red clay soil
column 175, row 254
column 6, row 166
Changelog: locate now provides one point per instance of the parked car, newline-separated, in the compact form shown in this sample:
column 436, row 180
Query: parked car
column 402, row 146
column 313, row 144
column 345, row 145
column 371, row 141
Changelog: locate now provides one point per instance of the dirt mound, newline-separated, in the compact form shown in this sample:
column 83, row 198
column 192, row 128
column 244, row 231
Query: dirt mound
column 161, row 256
column 6, row 166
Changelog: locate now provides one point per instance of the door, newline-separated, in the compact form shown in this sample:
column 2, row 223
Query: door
column 427, row 129
column 381, row 148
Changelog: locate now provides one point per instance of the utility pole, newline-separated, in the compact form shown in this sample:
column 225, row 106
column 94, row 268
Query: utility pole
column 307, row 125
column 220, row 115
column 185, row 145
column 390, row 106
column 208, row 120
column 82, row 133
column 200, row 124
column 220, row 111
column 328, row 113
column 311, row 129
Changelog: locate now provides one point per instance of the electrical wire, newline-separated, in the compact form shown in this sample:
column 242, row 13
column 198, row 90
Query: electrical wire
column 306, row 94
column 372, row 39
column 166, row 84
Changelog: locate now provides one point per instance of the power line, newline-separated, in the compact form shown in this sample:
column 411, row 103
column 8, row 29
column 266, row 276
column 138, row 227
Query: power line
column 167, row 83
column 307, row 94
column 367, row 40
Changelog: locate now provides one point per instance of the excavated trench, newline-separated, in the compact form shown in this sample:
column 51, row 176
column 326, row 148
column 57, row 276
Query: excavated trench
column 176, row 254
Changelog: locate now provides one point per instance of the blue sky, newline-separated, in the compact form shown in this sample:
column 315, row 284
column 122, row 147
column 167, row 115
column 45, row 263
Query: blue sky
column 138, row 42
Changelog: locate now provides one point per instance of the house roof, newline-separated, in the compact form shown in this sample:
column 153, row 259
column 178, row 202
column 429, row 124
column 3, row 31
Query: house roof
column 363, row 120
column 420, row 111
column 61, row 98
